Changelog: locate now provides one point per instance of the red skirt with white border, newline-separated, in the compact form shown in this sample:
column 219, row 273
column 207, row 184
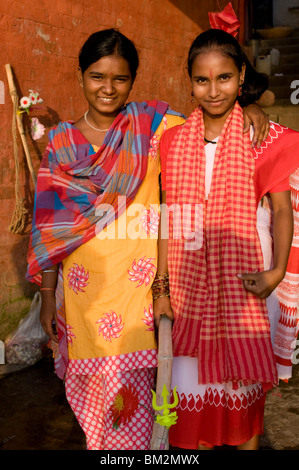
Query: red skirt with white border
column 213, row 414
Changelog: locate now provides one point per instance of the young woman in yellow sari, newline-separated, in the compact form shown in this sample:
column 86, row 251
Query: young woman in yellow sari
column 93, row 247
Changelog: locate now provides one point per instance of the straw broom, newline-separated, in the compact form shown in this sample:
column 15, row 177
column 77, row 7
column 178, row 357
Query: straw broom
column 159, row 439
column 19, row 216
column 14, row 97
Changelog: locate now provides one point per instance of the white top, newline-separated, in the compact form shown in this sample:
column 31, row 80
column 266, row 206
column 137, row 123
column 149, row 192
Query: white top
column 210, row 150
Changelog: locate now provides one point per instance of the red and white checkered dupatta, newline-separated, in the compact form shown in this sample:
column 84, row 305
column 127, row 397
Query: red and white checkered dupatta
column 216, row 320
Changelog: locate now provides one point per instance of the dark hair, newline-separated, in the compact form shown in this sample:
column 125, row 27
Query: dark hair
column 215, row 39
column 108, row 42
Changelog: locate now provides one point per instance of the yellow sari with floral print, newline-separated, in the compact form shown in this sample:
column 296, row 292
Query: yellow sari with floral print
column 109, row 316
column 107, row 281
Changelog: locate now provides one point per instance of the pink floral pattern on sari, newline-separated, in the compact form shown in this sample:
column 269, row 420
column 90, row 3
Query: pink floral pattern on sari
column 70, row 334
column 141, row 271
column 154, row 145
column 150, row 221
column 155, row 140
column 111, row 325
column 149, row 318
column 77, row 278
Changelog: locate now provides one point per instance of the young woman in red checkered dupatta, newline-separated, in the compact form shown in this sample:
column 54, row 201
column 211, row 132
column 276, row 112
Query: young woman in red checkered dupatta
column 94, row 262
column 218, row 250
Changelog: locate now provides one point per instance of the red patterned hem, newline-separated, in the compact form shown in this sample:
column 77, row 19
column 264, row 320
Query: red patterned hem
column 103, row 365
column 217, row 424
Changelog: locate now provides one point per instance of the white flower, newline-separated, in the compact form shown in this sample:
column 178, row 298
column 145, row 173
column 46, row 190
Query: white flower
column 25, row 102
column 37, row 129
column 35, row 97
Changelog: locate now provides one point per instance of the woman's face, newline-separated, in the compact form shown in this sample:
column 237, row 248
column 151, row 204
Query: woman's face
column 107, row 84
column 215, row 83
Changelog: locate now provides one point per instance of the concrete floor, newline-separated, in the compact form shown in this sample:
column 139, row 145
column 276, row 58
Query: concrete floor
column 34, row 413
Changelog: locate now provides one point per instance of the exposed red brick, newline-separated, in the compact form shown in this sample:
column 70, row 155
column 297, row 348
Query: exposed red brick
column 42, row 42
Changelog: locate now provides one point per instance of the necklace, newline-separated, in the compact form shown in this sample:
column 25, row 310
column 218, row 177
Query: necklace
column 94, row 128
column 210, row 141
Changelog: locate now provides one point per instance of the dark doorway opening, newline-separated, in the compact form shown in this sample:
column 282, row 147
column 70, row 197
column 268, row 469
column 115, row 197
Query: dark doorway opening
column 262, row 16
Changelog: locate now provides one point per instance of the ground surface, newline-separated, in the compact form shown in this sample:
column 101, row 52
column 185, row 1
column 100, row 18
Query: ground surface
column 34, row 413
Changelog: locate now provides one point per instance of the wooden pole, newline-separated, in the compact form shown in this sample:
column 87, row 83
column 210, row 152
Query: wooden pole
column 14, row 97
column 159, row 439
column 242, row 19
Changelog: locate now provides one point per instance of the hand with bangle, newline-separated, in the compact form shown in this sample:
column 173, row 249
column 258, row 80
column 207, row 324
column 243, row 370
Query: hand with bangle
column 160, row 286
column 161, row 297
column 45, row 271
column 48, row 314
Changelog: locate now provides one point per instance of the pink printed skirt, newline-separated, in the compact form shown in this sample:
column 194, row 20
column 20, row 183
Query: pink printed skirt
column 112, row 408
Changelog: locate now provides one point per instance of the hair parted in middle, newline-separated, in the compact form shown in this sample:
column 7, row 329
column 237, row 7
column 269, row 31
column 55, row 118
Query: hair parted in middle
column 217, row 40
column 108, row 42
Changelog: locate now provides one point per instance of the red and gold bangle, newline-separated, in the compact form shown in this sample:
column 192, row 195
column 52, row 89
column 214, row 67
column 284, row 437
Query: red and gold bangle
column 47, row 288
column 160, row 286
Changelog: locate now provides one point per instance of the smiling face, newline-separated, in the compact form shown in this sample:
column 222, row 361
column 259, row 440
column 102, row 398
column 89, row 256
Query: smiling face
column 107, row 84
column 215, row 80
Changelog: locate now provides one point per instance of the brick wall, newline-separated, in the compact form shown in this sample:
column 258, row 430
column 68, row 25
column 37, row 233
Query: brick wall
column 41, row 42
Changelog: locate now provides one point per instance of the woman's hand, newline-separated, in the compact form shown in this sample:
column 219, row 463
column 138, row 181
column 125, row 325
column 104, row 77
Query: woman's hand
column 253, row 114
column 162, row 307
column 261, row 284
column 48, row 315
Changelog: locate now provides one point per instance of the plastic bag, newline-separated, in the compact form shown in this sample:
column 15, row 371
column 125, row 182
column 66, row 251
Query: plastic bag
column 26, row 344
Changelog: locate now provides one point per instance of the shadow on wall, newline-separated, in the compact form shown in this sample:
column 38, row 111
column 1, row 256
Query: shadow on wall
column 19, row 258
column 49, row 118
